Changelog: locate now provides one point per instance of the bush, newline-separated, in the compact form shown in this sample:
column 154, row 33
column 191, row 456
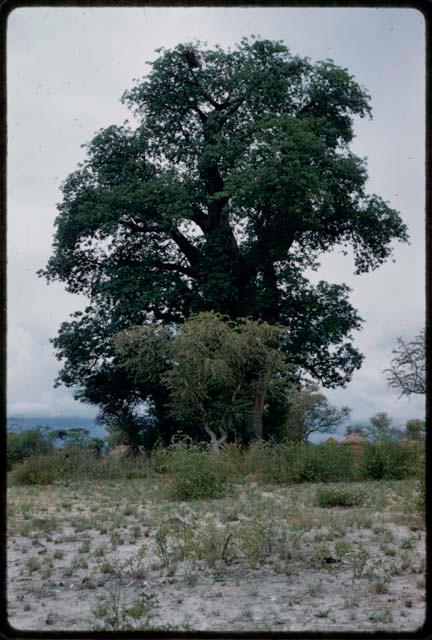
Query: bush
column 388, row 461
column 292, row 463
column 28, row 444
column 41, row 470
column 339, row 497
column 195, row 472
column 326, row 463
column 75, row 464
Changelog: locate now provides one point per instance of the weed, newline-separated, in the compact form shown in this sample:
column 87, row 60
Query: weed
column 113, row 613
column 360, row 558
column 32, row 564
column 314, row 587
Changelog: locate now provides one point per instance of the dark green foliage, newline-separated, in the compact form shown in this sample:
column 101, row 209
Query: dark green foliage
column 28, row 444
column 291, row 463
column 388, row 460
column 235, row 181
column 339, row 497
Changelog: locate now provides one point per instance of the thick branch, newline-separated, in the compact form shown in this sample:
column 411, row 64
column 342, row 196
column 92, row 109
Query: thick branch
column 189, row 250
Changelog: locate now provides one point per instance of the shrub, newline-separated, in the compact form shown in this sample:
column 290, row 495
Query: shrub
column 232, row 461
column 291, row 463
column 41, row 470
column 388, row 461
column 76, row 464
column 326, row 463
column 28, row 444
column 339, row 497
column 195, row 472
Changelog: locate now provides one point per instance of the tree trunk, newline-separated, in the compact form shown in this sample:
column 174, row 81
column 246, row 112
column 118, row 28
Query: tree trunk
column 215, row 442
column 255, row 421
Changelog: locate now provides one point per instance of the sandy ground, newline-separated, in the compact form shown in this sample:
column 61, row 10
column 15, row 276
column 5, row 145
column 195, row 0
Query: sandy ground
column 262, row 560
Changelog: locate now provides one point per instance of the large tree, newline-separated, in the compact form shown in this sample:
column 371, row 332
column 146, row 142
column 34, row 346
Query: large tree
column 235, row 178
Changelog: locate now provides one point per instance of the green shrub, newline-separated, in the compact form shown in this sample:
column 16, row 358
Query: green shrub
column 28, row 444
column 159, row 459
column 41, row 470
column 76, row 464
column 195, row 473
column 388, row 461
column 339, row 497
column 232, row 461
column 326, row 463
column 288, row 462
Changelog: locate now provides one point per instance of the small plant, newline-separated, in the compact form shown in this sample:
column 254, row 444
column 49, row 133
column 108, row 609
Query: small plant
column 359, row 561
column 339, row 497
column 58, row 554
column 408, row 543
column 314, row 587
column 32, row 565
column 113, row 613
column 84, row 548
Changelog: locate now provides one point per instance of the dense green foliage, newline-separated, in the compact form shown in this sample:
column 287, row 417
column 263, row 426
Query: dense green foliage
column 389, row 460
column 219, row 373
column 339, row 497
column 236, row 178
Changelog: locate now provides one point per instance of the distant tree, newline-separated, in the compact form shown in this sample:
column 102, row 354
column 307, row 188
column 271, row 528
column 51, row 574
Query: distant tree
column 407, row 371
column 357, row 429
column 310, row 412
column 381, row 429
column 30, row 443
column 415, row 429
column 79, row 438
column 235, row 180
column 219, row 373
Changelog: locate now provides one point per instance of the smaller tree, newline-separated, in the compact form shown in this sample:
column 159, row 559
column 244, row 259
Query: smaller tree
column 381, row 428
column 310, row 412
column 218, row 372
column 357, row 429
column 407, row 371
column 415, row 429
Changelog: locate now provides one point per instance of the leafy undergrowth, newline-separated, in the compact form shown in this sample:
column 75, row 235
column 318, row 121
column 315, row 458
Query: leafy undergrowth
column 125, row 555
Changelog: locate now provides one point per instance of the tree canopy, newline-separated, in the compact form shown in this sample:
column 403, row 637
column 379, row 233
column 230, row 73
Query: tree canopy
column 235, row 177
column 311, row 412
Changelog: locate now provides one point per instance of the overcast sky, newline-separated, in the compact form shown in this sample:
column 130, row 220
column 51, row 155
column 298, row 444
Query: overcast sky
column 67, row 69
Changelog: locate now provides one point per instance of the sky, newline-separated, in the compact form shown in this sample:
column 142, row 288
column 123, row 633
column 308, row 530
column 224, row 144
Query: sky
column 67, row 69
